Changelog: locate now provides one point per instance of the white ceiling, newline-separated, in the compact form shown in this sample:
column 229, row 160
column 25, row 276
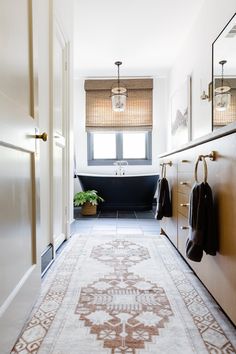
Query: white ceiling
column 145, row 35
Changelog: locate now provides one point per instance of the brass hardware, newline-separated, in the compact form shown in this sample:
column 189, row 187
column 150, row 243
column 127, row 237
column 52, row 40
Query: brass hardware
column 184, row 204
column 42, row 136
column 184, row 227
column 212, row 156
column 184, row 161
column 163, row 170
column 166, row 163
column 183, row 183
column 208, row 95
column 204, row 96
column 201, row 158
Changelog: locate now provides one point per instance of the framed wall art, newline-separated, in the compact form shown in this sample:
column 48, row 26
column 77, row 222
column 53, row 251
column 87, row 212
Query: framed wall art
column 181, row 114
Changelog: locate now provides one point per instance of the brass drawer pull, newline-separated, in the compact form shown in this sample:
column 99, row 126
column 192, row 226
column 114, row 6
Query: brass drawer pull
column 184, row 227
column 185, row 161
column 183, row 183
column 184, row 204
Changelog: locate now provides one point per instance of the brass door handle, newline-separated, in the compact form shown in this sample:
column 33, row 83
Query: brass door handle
column 184, row 227
column 184, row 204
column 42, row 136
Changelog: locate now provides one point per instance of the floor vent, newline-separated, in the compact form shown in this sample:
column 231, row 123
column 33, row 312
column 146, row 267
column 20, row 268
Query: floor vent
column 46, row 259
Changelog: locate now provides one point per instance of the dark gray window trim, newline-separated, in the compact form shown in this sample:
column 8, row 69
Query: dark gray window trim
column 119, row 152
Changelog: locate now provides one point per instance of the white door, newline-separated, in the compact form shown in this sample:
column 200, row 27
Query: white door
column 19, row 220
column 60, row 119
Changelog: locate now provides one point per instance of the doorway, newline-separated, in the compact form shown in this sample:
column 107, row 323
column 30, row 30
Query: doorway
column 59, row 129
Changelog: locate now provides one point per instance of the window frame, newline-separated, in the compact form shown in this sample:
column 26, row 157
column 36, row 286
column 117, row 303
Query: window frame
column 119, row 151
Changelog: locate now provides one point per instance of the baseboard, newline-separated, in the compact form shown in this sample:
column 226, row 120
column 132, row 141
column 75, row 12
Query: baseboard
column 73, row 227
column 46, row 259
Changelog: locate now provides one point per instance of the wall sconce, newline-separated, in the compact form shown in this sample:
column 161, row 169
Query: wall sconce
column 118, row 93
column 207, row 96
column 204, row 96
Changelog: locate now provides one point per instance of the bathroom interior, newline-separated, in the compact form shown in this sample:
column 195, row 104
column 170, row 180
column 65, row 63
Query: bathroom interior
column 189, row 137
column 122, row 221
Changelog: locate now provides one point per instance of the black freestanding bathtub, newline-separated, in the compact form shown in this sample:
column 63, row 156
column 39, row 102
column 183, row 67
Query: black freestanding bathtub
column 134, row 192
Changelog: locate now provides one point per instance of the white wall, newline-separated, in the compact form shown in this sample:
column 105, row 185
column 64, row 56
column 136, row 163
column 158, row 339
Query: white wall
column 195, row 59
column 159, row 129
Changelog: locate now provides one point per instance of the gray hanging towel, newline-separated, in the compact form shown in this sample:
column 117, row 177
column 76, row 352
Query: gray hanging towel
column 202, row 234
column 163, row 199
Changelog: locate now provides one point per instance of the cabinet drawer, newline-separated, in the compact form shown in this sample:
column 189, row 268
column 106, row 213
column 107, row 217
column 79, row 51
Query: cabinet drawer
column 183, row 204
column 186, row 162
column 183, row 229
column 185, row 182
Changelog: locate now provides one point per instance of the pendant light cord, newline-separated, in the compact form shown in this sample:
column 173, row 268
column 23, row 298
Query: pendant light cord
column 118, row 63
column 222, row 75
column 222, row 62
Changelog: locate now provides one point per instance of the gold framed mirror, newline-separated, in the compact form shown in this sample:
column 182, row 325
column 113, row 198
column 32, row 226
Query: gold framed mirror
column 224, row 76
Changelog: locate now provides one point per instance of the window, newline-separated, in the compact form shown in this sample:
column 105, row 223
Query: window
column 101, row 142
column 119, row 135
column 134, row 146
column 106, row 148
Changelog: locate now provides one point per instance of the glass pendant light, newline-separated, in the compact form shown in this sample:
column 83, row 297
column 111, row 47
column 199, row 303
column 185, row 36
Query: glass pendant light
column 222, row 94
column 118, row 93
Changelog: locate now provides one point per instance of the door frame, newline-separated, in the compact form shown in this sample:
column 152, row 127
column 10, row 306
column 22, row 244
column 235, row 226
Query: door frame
column 56, row 29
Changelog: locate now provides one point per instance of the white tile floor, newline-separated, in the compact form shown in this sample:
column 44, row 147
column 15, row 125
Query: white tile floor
column 119, row 226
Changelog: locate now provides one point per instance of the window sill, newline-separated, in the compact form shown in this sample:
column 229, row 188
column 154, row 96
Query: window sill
column 131, row 162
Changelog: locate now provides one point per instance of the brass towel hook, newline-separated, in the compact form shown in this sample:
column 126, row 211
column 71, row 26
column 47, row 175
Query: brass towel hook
column 163, row 168
column 166, row 163
column 211, row 156
column 201, row 158
column 163, row 171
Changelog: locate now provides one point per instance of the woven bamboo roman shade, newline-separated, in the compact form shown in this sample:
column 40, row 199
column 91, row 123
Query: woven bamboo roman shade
column 138, row 112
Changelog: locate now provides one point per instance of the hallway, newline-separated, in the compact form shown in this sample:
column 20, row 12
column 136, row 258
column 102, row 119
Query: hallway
column 117, row 286
column 153, row 100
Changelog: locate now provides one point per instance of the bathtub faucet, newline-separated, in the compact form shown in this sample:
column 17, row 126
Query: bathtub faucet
column 120, row 167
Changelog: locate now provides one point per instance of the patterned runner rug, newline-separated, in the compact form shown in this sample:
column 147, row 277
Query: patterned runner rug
column 124, row 294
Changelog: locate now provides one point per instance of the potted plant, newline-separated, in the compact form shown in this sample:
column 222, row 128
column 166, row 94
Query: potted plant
column 88, row 200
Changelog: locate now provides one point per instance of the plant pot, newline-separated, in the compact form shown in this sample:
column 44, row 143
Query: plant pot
column 88, row 209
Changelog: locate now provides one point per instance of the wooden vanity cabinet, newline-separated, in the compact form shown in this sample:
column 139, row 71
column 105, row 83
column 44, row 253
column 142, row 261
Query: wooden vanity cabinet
column 218, row 273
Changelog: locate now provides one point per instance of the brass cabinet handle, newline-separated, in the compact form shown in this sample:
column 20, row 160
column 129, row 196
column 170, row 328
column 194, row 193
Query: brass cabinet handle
column 42, row 136
column 183, row 183
column 185, row 161
column 184, row 227
column 184, row 204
